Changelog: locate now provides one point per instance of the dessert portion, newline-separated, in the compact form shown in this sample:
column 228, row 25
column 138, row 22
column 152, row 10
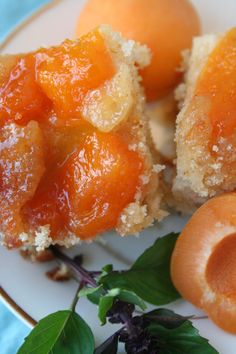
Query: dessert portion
column 206, row 124
column 75, row 158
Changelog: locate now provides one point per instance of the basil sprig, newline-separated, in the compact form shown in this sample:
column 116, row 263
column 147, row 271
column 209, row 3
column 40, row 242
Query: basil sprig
column 118, row 294
column 149, row 277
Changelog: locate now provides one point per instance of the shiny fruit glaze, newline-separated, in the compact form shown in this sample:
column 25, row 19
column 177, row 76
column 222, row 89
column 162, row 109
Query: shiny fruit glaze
column 88, row 191
column 71, row 71
column 217, row 84
column 69, row 176
column 21, row 98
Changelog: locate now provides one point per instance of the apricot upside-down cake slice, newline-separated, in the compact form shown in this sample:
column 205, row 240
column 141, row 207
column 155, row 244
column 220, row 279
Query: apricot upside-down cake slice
column 74, row 155
column 206, row 124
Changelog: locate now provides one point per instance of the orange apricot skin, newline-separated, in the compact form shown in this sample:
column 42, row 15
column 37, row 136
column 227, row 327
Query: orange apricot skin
column 166, row 27
column 211, row 223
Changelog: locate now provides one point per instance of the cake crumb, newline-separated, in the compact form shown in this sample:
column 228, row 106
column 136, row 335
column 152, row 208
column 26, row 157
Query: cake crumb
column 215, row 148
column 158, row 168
column 24, row 237
column 42, row 239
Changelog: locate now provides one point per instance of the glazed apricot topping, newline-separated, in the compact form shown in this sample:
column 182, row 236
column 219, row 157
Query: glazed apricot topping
column 217, row 83
column 91, row 187
column 73, row 69
column 21, row 98
column 55, row 168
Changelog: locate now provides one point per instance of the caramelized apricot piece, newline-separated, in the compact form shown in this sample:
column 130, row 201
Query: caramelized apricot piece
column 95, row 183
column 21, row 98
column 21, row 167
column 99, row 179
column 42, row 209
column 217, row 83
column 55, row 79
column 203, row 262
column 72, row 69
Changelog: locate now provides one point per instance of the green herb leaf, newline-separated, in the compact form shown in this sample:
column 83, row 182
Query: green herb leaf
column 96, row 295
column 114, row 292
column 61, row 332
column 110, row 346
column 149, row 277
column 132, row 298
column 105, row 304
column 88, row 291
column 181, row 338
column 108, row 268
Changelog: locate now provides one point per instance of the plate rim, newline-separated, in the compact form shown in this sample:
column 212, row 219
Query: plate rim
column 27, row 19
column 6, row 299
column 17, row 310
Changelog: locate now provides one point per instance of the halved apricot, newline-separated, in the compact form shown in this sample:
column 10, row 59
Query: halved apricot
column 203, row 265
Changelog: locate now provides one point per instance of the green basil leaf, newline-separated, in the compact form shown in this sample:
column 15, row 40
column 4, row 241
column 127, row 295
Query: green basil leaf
column 132, row 298
column 184, row 339
column 88, row 291
column 110, row 346
column 61, row 332
column 114, row 292
column 149, row 277
column 105, row 304
column 108, row 268
column 95, row 296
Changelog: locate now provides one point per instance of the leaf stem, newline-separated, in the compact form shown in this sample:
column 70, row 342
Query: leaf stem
column 76, row 298
column 83, row 275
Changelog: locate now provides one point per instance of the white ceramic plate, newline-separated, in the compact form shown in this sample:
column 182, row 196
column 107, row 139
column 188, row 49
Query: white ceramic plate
column 24, row 284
